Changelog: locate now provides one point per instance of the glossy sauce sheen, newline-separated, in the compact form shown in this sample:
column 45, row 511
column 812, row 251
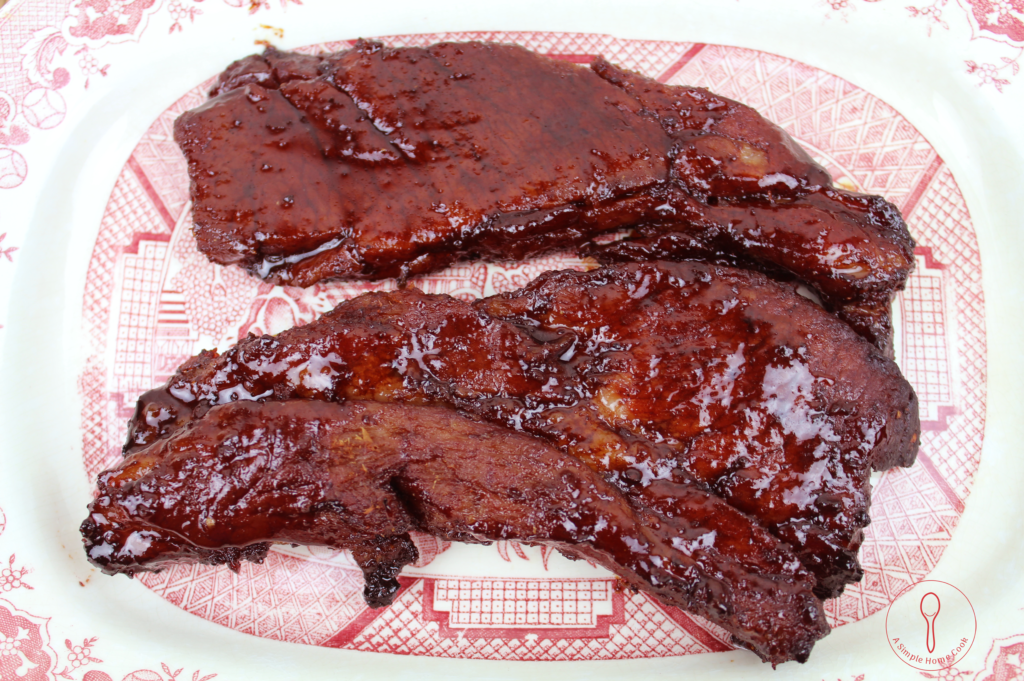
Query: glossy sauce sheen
column 685, row 372
column 361, row 475
column 381, row 162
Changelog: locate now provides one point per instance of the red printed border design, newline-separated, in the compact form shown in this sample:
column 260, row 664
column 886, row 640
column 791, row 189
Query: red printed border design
column 151, row 300
column 50, row 47
column 1000, row 21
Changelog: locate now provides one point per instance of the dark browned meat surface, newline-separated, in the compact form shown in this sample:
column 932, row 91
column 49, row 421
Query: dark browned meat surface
column 362, row 475
column 400, row 161
column 686, row 372
column 819, row 239
column 751, row 389
column 378, row 162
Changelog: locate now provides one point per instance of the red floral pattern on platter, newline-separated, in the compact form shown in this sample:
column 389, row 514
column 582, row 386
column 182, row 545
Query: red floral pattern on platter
column 1005, row 660
column 56, row 43
column 1001, row 20
column 998, row 20
column 96, row 23
column 13, row 577
column 7, row 252
column 77, row 656
column 166, row 675
column 25, row 651
column 13, row 167
column 25, row 648
column 152, row 300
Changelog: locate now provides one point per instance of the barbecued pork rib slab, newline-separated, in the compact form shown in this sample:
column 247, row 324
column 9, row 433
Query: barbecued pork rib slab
column 752, row 389
column 362, row 475
column 383, row 162
column 781, row 240
column 691, row 372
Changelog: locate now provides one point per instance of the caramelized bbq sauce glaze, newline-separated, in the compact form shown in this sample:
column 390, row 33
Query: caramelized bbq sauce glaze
column 381, row 162
column 693, row 373
column 362, row 475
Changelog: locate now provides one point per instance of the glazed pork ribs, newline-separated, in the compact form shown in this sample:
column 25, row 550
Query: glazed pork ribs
column 379, row 162
column 690, row 373
column 361, row 475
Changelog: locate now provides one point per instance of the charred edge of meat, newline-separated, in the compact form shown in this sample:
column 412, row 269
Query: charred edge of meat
column 311, row 472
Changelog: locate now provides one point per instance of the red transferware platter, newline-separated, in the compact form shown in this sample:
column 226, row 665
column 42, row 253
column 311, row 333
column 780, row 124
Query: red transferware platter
column 103, row 294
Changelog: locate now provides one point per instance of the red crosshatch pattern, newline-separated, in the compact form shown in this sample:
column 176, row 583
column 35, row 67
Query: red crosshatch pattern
column 151, row 300
column 489, row 604
column 139, row 289
column 925, row 359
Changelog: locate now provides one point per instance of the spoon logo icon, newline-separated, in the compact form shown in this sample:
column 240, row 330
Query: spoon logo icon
column 925, row 600
column 930, row 606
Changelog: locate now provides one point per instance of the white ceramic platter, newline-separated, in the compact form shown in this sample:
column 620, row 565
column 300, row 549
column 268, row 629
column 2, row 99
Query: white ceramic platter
column 103, row 294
